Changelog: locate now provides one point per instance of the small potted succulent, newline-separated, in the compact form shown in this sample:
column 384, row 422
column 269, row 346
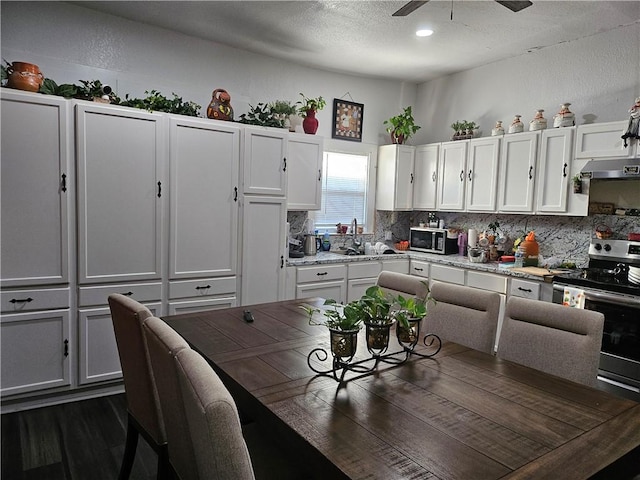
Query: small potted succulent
column 401, row 127
column 307, row 108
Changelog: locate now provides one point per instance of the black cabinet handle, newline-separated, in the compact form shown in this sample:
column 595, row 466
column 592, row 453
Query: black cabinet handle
column 322, row 274
column 64, row 182
column 433, row 176
column 564, row 170
column 235, row 194
column 462, row 175
column 21, row 300
column 469, row 175
column 528, row 290
column 530, row 172
column 127, row 294
column 411, row 181
column 281, row 261
column 284, row 168
column 418, row 269
column 319, row 174
column 203, row 288
column 66, row 347
column 159, row 189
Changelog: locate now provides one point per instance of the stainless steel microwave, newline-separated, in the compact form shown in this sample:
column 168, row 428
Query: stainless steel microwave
column 432, row 240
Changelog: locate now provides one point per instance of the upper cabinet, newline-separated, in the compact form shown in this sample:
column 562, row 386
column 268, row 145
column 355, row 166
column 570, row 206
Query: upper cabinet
column 425, row 174
column 37, row 189
column 394, row 190
column 452, row 167
column 517, row 172
column 602, row 140
column 264, row 163
column 482, row 174
column 121, row 155
column 304, row 166
column 554, row 170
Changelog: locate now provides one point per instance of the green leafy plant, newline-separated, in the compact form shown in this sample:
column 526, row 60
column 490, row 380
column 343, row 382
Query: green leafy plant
column 155, row 101
column 376, row 307
column 282, row 107
column 457, row 126
column 310, row 104
column 4, row 69
column 66, row 90
column 339, row 317
column 411, row 308
column 402, row 126
column 262, row 114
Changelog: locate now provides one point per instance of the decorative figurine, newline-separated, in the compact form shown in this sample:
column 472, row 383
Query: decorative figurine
column 516, row 125
column 564, row 118
column 633, row 129
column 220, row 106
column 498, row 129
column 538, row 122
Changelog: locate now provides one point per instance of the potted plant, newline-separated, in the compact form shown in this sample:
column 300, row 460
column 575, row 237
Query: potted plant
column 262, row 114
column 307, row 108
column 411, row 312
column 282, row 110
column 378, row 315
column 401, row 127
column 577, row 184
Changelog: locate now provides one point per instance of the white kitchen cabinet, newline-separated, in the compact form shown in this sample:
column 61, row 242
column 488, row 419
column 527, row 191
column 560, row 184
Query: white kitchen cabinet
column 525, row 289
column 482, row 174
column 36, row 351
column 445, row 273
column 204, row 164
column 202, row 294
column 554, row 170
column 37, row 189
column 425, row 173
column 517, row 172
column 492, row 283
column 325, row 281
column 199, row 305
column 264, row 164
column 602, row 140
column 395, row 178
column 263, row 249
column 304, row 167
column 121, row 156
column 361, row 276
column 400, row 265
column 452, row 167
column 419, row 268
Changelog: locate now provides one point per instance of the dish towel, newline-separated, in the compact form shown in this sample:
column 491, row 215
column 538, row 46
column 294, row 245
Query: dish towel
column 573, row 297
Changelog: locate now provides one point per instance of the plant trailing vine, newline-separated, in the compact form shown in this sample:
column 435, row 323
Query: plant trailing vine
column 263, row 115
column 155, row 101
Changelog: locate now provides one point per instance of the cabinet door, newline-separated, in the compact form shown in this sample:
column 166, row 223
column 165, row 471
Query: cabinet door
column 98, row 358
column 37, row 189
column 263, row 245
column 394, row 190
column 425, row 172
column 517, row 172
column 482, row 174
column 554, row 168
column 204, row 163
column 601, row 140
column 35, row 351
column 265, row 161
column 357, row 287
column 121, row 158
column 304, row 165
column 334, row 290
column 451, row 175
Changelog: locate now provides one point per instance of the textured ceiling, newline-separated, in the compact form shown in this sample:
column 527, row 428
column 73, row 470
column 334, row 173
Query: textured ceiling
column 361, row 37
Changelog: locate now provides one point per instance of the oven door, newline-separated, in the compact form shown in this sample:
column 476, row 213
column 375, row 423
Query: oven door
column 620, row 354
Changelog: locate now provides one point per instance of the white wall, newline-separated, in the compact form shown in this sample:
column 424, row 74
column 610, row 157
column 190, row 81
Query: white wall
column 599, row 75
column 71, row 43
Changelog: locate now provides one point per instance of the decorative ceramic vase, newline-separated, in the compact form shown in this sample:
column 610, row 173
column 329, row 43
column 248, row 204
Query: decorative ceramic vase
column 24, row 76
column 220, row 106
column 310, row 123
column 538, row 122
column 516, row 125
column 498, row 129
column 564, row 118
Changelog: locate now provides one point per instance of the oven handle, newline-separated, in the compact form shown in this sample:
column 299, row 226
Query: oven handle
column 603, row 296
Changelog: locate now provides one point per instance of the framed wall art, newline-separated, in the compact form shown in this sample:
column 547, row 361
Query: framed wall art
column 347, row 120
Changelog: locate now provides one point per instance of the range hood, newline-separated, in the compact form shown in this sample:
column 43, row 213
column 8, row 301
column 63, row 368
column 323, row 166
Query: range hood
column 613, row 168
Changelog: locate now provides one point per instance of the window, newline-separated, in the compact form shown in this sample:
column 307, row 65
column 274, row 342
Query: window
column 345, row 178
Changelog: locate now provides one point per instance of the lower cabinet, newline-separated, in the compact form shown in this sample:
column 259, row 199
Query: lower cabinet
column 419, row 268
column 397, row 265
column 362, row 275
column 326, row 281
column 186, row 296
column 444, row 273
column 493, row 283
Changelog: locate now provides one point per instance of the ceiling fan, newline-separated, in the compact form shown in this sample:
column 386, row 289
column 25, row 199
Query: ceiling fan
column 407, row 8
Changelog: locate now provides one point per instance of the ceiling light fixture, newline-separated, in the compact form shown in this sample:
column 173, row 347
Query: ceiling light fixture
column 424, row 32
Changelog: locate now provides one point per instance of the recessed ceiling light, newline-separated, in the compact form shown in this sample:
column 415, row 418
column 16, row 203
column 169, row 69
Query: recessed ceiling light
column 424, row 32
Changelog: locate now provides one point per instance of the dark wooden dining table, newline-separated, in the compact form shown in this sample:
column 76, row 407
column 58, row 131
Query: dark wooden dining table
column 461, row 414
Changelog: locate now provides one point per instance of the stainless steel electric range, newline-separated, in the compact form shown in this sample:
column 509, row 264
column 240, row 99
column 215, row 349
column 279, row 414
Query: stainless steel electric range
column 611, row 285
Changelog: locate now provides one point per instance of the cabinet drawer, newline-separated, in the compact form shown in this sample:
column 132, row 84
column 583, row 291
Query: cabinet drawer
column 522, row 288
column 35, row 299
column 398, row 266
column 190, row 306
column 202, row 287
column 447, row 274
column 363, row 269
column 419, row 268
column 97, row 295
column 487, row 281
column 321, row 273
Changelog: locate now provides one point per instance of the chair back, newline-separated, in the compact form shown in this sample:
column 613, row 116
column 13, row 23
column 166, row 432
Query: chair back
column 553, row 338
column 464, row 315
column 163, row 344
column 214, row 424
column 401, row 284
column 143, row 403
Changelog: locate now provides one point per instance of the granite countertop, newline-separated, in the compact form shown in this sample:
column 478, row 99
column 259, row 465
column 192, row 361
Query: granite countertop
column 323, row 258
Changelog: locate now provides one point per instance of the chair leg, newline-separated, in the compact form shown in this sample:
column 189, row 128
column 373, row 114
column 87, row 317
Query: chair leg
column 129, row 450
column 164, row 468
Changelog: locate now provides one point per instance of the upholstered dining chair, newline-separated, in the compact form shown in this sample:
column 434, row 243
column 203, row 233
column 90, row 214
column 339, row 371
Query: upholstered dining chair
column 144, row 416
column 464, row 315
column 163, row 344
column 213, row 420
column 552, row 338
column 401, row 284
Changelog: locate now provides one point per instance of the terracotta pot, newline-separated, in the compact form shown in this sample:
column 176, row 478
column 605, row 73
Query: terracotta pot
column 310, row 123
column 24, row 76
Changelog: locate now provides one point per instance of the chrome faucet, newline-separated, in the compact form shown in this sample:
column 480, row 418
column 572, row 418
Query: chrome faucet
column 354, row 229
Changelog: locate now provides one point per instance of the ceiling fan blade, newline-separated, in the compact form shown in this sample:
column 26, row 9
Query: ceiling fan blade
column 407, row 8
column 515, row 6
